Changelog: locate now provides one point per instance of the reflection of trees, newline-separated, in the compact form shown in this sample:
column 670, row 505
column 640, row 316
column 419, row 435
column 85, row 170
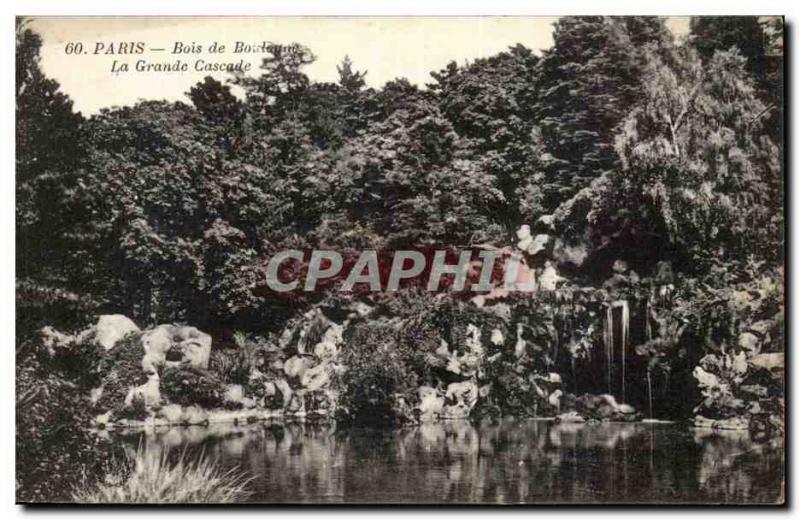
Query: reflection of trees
column 509, row 462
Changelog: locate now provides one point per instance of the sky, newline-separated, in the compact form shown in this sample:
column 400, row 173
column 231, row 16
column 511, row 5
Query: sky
column 386, row 47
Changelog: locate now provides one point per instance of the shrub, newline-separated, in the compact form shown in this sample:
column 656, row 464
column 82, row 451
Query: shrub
column 378, row 370
column 53, row 444
column 120, row 369
column 234, row 365
column 189, row 385
column 150, row 477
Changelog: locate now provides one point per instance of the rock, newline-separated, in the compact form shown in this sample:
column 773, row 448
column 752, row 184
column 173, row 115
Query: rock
column 739, row 364
column 570, row 417
column 625, row 409
column 703, row 422
column 733, row 423
column 555, row 399
column 431, row 403
column 540, row 244
column 234, row 394
column 297, row 404
column 328, row 347
column 549, row 279
column 467, row 363
column 194, row 415
column 604, row 408
column 547, row 222
column 111, row 328
column 664, row 274
column 460, row 399
column 554, row 378
column 103, row 419
column 95, row 394
column 570, row 254
column 619, row 266
column 286, row 391
column 318, row 402
column 524, row 236
column 297, row 365
column 768, row 361
column 497, row 337
column 761, row 327
column 756, row 390
column 316, row 377
column 173, row 345
column 705, row 379
column 53, row 340
column 149, row 392
column 172, row 413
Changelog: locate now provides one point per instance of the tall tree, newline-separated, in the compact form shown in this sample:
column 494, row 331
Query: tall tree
column 760, row 41
column 699, row 180
column 490, row 105
column 49, row 205
column 588, row 81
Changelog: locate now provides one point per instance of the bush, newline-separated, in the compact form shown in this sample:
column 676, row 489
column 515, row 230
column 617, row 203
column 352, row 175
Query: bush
column 378, row 371
column 53, row 444
column 120, row 369
column 192, row 386
column 234, row 365
column 149, row 477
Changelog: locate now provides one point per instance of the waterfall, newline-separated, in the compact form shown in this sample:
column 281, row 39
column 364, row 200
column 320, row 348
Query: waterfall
column 624, row 340
column 650, row 392
column 649, row 332
column 608, row 338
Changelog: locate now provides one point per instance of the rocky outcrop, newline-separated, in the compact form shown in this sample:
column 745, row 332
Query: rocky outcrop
column 173, row 345
column 172, row 374
column 107, row 332
column 599, row 408
column 111, row 328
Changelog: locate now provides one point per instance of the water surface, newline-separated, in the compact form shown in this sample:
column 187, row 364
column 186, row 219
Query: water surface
column 513, row 462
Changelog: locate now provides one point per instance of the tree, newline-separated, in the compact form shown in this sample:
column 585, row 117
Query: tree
column 357, row 102
column 588, row 82
column 699, row 180
column 415, row 185
column 49, row 207
column 490, row 105
column 760, row 41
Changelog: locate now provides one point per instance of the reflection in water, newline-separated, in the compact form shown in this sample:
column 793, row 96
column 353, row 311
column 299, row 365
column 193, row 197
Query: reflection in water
column 511, row 462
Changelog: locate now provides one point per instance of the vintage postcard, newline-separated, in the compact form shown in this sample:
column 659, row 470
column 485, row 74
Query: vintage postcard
column 400, row 260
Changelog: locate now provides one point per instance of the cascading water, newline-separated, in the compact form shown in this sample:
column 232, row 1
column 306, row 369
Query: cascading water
column 609, row 339
column 649, row 332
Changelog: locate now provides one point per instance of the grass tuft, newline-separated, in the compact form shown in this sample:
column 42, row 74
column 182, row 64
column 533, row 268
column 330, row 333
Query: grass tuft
column 150, row 477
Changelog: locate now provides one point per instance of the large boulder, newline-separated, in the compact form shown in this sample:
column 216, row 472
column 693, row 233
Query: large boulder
column 460, row 399
column 111, row 328
column 107, row 332
column 174, row 345
column 768, row 361
column 431, row 403
column 605, row 408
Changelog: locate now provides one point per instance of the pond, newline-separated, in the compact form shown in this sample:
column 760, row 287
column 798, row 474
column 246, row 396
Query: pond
column 512, row 462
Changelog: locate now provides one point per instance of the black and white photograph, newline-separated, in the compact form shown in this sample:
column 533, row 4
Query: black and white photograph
column 400, row 260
